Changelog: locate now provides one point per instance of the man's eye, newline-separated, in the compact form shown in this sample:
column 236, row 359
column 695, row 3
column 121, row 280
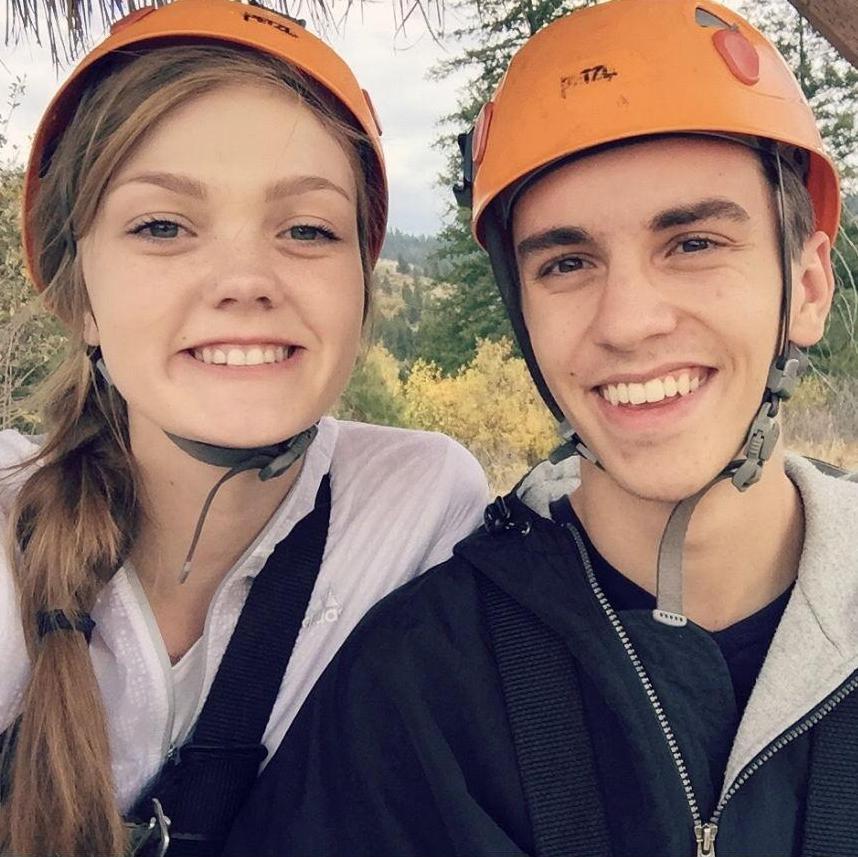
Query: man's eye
column 695, row 245
column 157, row 230
column 310, row 233
column 568, row 265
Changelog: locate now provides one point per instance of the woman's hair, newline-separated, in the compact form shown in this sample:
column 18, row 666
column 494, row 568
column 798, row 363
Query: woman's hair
column 77, row 514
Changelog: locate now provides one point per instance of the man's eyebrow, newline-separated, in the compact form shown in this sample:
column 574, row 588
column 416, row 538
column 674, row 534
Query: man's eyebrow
column 705, row 209
column 296, row 185
column 561, row 236
column 169, row 181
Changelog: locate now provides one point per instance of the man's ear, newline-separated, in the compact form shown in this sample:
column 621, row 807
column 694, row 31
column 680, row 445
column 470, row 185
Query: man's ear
column 90, row 330
column 812, row 291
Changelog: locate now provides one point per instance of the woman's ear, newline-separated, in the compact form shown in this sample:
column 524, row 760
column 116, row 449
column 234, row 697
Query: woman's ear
column 90, row 330
column 812, row 291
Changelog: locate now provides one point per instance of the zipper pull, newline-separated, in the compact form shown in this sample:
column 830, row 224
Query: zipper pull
column 705, row 836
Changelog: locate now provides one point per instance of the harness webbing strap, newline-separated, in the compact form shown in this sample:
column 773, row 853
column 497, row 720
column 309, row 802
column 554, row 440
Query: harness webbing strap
column 831, row 820
column 546, row 715
column 202, row 788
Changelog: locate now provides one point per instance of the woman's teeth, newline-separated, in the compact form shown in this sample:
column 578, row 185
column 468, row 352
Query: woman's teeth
column 240, row 355
column 654, row 390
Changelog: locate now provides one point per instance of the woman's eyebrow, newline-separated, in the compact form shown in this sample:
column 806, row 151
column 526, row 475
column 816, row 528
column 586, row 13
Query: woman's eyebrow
column 296, row 185
column 705, row 209
column 174, row 182
column 185, row 185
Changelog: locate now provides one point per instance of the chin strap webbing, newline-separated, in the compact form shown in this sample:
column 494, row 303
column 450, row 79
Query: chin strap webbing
column 271, row 461
column 668, row 603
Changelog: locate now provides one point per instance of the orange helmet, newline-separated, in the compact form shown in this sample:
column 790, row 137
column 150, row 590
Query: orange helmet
column 225, row 21
column 629, row 69
column 633, row 68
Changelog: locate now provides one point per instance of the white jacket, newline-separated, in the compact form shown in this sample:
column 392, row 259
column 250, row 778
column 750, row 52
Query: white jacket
column 400, row 501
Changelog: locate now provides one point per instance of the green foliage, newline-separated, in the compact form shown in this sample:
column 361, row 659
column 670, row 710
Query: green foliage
column 30, row 341
column 396, row 335
column 374, row 393
column 470, row 310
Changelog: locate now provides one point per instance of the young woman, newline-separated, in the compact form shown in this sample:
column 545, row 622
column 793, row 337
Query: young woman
column 204, row 204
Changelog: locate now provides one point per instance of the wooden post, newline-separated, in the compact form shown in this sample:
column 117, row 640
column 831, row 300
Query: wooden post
column 837, row 20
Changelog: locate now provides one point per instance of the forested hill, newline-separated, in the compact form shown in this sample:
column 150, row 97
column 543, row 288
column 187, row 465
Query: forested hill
column 413, row 252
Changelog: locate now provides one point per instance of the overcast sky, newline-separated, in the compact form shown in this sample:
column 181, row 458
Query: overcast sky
column 392, row 68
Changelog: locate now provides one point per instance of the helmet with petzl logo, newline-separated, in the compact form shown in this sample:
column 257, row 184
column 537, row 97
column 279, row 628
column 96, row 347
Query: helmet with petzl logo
column 628, row 69
column 211, row 21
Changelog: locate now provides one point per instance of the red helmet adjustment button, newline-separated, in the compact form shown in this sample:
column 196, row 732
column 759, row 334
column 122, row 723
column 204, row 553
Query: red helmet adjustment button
column 739, row 54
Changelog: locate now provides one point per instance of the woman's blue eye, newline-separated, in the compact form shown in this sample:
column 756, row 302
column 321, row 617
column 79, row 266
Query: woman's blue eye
column 157, row 229
column 310, row 233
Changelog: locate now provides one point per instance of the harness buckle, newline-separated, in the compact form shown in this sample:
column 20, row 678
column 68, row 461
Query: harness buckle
column 153, row 837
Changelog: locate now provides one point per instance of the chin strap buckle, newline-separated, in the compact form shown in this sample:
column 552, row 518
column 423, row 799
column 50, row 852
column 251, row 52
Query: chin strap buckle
column 762, row 439
column 296, row 449
column 783, row 379
column 572, row 445
column 784, row 375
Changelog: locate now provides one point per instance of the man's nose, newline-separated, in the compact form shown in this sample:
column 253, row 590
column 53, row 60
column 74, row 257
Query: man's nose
column 632, row 308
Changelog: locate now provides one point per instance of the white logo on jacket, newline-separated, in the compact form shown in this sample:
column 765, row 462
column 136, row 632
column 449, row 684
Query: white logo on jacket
column 323, row 611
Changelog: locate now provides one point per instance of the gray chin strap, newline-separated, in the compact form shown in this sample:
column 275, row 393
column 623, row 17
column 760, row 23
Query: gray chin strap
column 271, row 461
column 746, row 471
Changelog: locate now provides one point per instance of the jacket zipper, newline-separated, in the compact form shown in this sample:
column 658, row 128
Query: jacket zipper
column 704, row 833
column 157, row 641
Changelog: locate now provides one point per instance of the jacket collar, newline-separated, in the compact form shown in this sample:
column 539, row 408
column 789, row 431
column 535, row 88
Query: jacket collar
column 814, row 650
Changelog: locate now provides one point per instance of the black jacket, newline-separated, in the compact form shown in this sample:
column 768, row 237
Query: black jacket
column 405, row 748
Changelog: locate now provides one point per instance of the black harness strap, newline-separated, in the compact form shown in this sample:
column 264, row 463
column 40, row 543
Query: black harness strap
column 552, row 742
column 831, row 821
column 202, row 787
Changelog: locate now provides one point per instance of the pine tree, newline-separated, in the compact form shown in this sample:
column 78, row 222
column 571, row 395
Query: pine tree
column 492, row 32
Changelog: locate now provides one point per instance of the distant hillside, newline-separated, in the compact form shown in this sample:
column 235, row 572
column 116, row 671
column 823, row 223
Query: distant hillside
column 399, row 302
column 412, row 252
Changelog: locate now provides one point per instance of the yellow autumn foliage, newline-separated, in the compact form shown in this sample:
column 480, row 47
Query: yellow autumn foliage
column 490, row 406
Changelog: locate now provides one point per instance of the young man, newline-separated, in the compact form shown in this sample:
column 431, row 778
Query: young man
column 633, row 657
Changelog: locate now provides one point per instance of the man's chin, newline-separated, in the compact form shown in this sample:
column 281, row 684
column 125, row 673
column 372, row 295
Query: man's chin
column 661, row 482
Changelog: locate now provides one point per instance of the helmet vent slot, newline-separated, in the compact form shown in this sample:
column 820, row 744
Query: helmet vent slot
column 704, row 18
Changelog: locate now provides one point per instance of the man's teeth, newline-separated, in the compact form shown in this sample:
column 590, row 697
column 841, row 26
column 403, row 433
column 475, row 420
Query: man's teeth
column 240, row 355
column 654, row 390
